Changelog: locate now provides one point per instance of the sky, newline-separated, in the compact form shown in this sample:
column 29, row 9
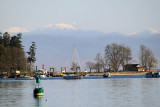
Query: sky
column 86, row 18
column 124, row 16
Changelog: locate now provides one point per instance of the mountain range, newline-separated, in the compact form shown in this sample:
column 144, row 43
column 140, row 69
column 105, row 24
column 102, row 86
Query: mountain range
column 55, row 45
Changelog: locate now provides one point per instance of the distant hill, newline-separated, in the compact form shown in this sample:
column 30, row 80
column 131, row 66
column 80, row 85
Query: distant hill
column 55, row 45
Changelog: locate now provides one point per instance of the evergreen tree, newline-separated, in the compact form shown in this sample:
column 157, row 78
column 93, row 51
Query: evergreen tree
column 1, row 38
column 6, row 39
column 16, row 41
column 31, row 59
column 12, row 55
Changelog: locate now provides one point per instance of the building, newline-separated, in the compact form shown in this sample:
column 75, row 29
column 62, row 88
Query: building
column 133, row 67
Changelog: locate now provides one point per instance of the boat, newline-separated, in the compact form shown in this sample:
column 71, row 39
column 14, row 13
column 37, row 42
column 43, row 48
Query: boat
column 106, row 75
column 75, row 67
column 2, row 76
column 24, row 77
column 73, row 77
column 153, row 75
column 41, row 73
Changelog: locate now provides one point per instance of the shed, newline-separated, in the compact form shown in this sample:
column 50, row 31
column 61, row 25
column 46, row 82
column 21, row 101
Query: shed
column 133, row 67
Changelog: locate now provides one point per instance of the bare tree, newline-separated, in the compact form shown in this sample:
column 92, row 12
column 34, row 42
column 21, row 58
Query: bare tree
column 99, row 62
column 90, row 65
column 125, row 55
column 147, row 58
column 117, row 55
column 112, row 56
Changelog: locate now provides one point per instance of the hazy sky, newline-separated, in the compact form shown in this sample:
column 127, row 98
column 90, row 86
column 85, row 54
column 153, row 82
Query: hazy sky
column 124, row 16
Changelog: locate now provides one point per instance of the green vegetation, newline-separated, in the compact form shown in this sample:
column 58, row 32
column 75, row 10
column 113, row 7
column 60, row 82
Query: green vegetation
column 31, row 59
column 12, row 55
column 117, row 56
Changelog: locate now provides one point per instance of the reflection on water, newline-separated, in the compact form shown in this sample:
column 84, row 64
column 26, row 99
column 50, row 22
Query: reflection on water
column 15, row 93
column 112, row 92
column 39, row 100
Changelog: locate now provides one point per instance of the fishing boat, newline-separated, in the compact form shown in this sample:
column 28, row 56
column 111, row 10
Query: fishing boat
column 106, row 75
column 24, row 77
column 75, row 67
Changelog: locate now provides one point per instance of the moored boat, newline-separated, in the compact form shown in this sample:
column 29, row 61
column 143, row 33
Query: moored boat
column 75, row 67
column 153, row 75
column 41, row 73
column 106, row 75
column 24, row 77
column 73, row 77
column 3, row 76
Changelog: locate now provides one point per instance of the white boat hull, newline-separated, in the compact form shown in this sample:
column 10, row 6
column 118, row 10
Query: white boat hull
column 24, row 78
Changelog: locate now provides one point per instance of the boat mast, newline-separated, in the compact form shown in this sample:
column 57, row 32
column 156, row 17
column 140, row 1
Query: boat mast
column 74, row 60
column 67, row 65
column 75, row 65
column 74, row 54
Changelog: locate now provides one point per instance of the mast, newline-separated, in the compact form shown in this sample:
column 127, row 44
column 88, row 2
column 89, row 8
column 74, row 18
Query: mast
column 67, row 65
column 74, row 61
column 75, row 65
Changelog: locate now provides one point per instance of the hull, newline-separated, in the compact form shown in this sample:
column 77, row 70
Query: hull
column 153, row 75
column 73, row 77
column 43, row 76
column 106, row 76
column 24, row 78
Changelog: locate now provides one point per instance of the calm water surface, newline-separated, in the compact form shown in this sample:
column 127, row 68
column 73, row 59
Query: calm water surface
column 118, row 91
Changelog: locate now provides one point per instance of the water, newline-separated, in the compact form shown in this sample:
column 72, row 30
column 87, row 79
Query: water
column 118, row 91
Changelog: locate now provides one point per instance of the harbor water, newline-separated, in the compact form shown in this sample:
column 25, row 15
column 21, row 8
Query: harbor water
column 117, row 91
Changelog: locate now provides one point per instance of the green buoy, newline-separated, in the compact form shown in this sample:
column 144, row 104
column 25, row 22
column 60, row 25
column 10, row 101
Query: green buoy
column 38, row 91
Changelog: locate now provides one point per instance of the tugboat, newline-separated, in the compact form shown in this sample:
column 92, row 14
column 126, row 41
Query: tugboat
column 38, row 91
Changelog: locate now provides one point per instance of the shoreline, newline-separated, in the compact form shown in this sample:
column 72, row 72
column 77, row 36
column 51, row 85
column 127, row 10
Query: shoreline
column 115, row 73
column 60, row 74
column 128, row 73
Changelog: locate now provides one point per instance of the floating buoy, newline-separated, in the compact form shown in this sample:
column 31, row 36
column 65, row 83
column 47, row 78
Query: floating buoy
column 38, row 91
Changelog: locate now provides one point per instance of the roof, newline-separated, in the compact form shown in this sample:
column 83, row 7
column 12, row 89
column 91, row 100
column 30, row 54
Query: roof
column 133, row 65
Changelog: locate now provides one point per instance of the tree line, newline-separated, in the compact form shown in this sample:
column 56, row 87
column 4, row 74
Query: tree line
column 12, row 55
column 117, row 56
